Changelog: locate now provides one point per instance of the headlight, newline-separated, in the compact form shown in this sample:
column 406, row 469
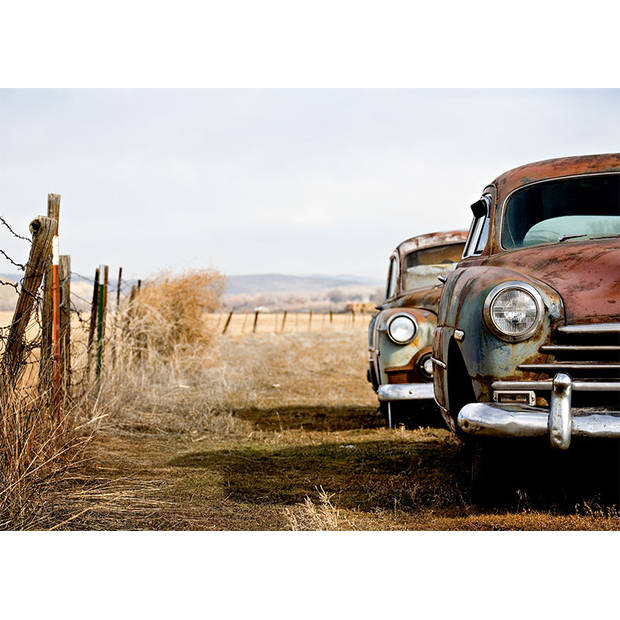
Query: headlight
column 513, row 310
column 401, row 328
column 425, row 366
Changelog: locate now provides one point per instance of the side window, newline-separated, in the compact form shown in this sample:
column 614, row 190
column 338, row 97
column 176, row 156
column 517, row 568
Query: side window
column 479, row 230
column 392, row 278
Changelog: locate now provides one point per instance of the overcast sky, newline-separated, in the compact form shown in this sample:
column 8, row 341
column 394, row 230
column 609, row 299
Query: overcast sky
column 272, row 181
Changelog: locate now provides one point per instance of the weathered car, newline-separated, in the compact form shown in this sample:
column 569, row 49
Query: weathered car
column 400, row 335
column 528, row 335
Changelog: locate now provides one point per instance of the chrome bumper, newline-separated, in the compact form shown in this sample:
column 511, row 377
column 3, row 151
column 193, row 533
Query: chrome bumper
column 405, row 391
column 560, row 422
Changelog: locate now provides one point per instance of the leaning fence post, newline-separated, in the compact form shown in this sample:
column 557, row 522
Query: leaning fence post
column 228, row 321
column 283, row 321
column 93, row 321
column 65, row 323
column 46, row 361
column 42, row 230
column 255, row 321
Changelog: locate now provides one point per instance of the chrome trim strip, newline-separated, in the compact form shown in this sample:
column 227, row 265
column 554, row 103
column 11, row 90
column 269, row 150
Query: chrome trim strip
column 578, row 386
column 438, row 363
column 570, row 366
column 550, row 348
column 597, row 328
column 405, row 391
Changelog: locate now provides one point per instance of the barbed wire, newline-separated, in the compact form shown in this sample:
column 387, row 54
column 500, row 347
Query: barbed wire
column 18, row 265
column 5, row 223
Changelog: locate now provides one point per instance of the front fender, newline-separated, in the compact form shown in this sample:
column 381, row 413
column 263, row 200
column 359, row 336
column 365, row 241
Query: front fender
column 391, row 355
column 486, row 356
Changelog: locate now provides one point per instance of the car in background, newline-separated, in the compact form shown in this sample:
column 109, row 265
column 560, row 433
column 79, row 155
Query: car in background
column 527, row 342
column 400, row 335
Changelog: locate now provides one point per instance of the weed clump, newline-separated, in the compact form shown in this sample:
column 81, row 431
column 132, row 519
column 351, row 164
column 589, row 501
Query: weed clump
column 169, row 310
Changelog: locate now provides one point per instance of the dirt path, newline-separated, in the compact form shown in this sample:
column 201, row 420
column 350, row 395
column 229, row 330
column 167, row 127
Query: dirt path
column 346, row 478
column 280, row 432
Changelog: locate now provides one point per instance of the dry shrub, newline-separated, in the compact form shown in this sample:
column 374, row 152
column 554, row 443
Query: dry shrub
column 318, row 516
column 36, row 451
column 169, row 311
column 161, row 372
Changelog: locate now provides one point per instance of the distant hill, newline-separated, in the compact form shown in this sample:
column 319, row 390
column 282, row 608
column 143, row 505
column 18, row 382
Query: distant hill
column 280, row 291
column 277, row 283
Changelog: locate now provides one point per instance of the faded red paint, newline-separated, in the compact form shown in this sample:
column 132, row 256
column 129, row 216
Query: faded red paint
column 553, row 169
column 585, row 273
column 579, row 278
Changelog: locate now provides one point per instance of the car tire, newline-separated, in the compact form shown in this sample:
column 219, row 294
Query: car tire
column 484, row 471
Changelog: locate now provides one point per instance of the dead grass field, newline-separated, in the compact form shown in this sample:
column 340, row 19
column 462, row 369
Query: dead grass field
column 279, row 432
column 295, row 322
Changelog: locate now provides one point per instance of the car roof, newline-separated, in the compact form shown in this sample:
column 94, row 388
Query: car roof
column 554, row 168
column 430, row 240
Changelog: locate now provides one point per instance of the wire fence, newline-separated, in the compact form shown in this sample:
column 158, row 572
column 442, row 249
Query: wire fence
column 285, row 322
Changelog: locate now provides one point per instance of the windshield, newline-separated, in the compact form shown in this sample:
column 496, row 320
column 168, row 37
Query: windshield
column 422, row 268
column 554, row 211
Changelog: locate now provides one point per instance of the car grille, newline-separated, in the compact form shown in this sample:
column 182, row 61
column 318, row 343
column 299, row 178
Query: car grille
column 586, row 353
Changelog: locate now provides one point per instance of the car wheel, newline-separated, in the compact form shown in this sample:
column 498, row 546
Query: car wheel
column 483, row 471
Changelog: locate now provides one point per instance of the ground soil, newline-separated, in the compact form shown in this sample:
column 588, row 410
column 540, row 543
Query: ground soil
column 309, row 452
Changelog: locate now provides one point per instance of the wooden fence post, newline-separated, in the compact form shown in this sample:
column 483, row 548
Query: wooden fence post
column 101, row 315
column 65, row 323
column 42, row 230
column 255, row 321
column 283, row 321
column 93, row 321
column 228, row 321
column 46, row 361
column 118, row 288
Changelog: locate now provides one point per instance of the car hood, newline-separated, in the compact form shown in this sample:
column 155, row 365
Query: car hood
column 427, row 299
column 586, row 274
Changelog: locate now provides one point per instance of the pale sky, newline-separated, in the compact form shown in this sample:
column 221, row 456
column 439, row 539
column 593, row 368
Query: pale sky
column 272, row 181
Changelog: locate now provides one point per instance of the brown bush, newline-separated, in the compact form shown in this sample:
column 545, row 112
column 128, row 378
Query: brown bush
column 169, row 312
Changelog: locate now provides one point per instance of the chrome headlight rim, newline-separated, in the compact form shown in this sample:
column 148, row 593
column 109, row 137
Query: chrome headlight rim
column 405, row 315
column 422, row 366
column 513, row 285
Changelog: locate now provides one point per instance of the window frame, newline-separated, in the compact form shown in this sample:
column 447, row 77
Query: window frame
column 478, row 226
column 393, row 276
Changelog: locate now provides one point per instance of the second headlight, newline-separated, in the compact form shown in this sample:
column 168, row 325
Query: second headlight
column 513, row 310
column 401, row 328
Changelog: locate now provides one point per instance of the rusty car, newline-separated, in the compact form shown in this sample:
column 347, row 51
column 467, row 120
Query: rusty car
column 527, row 343
column 400, row 335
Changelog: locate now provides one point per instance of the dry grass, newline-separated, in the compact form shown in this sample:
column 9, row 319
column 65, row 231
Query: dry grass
column 280, row 432
column 265, row 431
column 37, row 452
